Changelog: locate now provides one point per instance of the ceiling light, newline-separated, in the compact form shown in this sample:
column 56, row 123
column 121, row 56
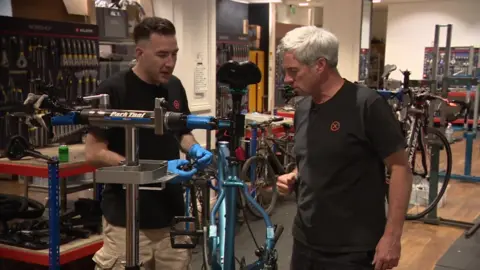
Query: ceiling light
column 303, row 4
column 376, row 1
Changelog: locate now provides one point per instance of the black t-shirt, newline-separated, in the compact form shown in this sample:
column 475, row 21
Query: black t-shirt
column 127, row 91
column 340, row 146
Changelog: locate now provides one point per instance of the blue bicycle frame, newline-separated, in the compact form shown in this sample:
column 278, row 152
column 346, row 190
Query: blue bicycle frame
column 222, row 236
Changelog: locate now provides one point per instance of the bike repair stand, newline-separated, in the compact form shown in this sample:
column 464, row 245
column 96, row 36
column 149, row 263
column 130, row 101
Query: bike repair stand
column 133, row 174
column 432, row 217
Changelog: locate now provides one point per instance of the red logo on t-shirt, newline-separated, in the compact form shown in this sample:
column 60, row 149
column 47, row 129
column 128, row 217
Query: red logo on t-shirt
column 335, row 126
column 176, row 104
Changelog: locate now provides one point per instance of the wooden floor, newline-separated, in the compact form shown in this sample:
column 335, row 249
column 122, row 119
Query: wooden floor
column 422, row 244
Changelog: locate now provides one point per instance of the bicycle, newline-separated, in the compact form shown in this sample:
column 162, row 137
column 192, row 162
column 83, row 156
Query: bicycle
column 219, row 235
column 420, row 136
column 263, row 166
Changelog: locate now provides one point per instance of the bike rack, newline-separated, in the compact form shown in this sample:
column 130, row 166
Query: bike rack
column 470, row 135
column 435, row 174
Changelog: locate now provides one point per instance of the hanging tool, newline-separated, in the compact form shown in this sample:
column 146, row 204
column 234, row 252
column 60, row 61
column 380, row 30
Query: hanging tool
column 79, row 75
column 5, row 99
column 86, row 74
column 54, row 52
column 4, row 62
column 74, row 52
column 93, row 73
column 63, row 56
column 91, row 61
column 21, row 60
column 94, row 53
column 86, row 53
column 70, row 89
column 82, row 54
column 70, row 62
column 43, row 53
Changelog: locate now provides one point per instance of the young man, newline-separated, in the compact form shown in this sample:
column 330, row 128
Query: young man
column 136, row 89
column 345, row 133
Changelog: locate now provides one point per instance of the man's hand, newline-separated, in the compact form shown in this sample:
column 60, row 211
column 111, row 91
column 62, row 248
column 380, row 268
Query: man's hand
column 175, row 167
column 286, row 182
column 387, row 253
column 203, row 157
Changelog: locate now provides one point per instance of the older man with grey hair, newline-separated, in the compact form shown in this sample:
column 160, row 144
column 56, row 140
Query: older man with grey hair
column 345, row 135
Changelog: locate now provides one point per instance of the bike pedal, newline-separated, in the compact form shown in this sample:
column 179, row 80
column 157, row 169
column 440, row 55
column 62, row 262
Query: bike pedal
column 184, row 231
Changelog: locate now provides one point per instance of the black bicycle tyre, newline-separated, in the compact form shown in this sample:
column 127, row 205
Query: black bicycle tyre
column 446, row 178
column 11, row 206
column 245, row 177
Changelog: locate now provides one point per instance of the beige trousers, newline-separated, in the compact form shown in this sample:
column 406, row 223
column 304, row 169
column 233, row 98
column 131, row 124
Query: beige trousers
column 156, row 252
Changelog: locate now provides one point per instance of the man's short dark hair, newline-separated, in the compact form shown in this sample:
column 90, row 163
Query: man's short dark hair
column 151, row 25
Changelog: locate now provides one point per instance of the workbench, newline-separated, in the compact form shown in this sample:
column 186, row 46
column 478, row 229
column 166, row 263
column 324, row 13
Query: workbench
column 32, row 167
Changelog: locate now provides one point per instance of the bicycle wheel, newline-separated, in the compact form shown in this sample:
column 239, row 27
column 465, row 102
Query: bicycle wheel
column 264, row 189
column 421, row 174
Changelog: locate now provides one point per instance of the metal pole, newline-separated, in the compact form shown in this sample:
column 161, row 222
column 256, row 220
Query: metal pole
column 209, row 140
column 132, row 228
column 436, row 51
column 475, row 109
column 54, row 214
column 446, row 75
column 446, row 61
column 433, row 87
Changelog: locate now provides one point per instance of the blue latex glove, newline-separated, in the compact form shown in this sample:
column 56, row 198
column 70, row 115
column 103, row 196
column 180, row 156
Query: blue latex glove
column 182, row 176
column 202, row 157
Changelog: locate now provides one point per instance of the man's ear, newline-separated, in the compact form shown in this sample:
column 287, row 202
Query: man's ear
column 320, row 65
column 138, row 52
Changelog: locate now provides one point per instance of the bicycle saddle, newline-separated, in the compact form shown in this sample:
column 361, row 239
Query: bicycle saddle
column 387, row 70
column 239, row 75
column 286, row 126
column 18, row 147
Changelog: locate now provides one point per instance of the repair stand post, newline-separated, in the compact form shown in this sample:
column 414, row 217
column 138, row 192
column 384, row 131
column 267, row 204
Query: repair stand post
column 432, row 217
column 53, row 214
column 132, row 229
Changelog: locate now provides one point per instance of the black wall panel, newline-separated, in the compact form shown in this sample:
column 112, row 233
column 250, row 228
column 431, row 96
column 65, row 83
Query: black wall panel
column 258, row 14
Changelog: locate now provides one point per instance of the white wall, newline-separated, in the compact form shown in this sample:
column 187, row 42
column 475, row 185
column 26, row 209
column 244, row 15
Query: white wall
column 318, row 19
column 379, row 23
column 366, row 27
column 5, row 8
column 195, row 25
column 301, row 16
column 347, row 32
column 411, row 28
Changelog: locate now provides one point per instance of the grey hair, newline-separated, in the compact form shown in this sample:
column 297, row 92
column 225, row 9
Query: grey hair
column 309, row 43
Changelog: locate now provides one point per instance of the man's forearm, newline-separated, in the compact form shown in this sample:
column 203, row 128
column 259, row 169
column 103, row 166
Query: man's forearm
column 187, row 141
column 103, row 158
column 398, row 199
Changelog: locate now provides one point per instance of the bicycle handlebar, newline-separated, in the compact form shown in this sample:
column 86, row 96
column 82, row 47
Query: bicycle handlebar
column 464, row 106
column 266, row 122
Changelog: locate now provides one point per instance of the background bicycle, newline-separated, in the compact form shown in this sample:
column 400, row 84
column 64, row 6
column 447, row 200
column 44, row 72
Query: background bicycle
column 413, row 114
column 269, row 157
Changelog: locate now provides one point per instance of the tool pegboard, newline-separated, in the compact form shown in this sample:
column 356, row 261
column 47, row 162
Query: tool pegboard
column 61, row 54
column 236, row 48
